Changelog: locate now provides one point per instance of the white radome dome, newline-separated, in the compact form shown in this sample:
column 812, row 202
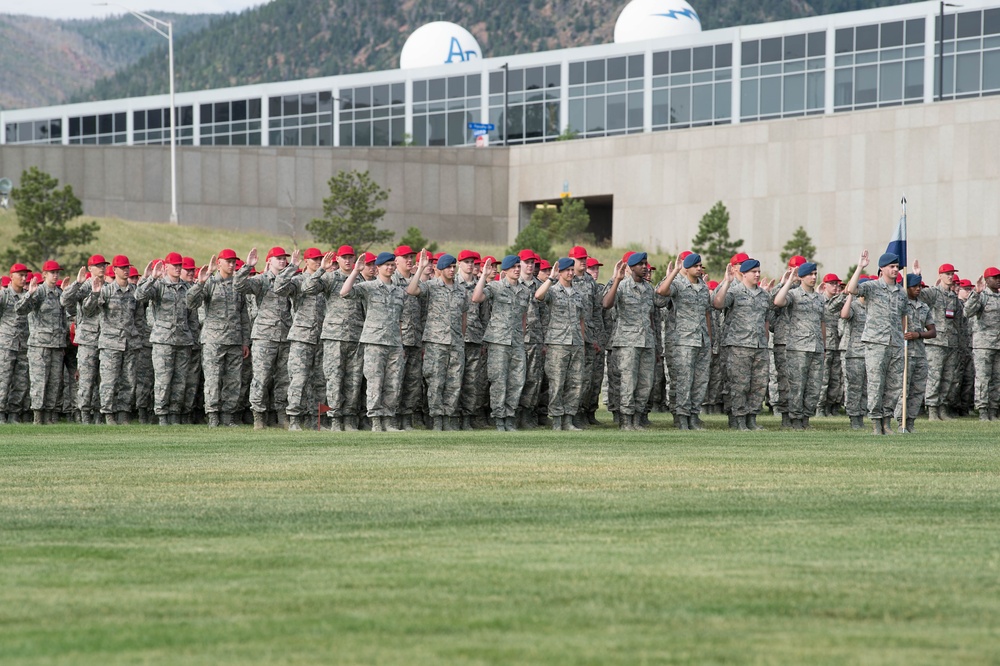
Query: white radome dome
column 439, row 43
column 655, row 19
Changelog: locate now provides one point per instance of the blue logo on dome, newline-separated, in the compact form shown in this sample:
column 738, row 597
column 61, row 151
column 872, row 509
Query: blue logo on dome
column 455, row 52
column 677, row 13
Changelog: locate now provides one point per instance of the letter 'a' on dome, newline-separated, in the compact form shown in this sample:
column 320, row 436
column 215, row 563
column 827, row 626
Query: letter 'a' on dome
column 656, row 19
column 439, row 43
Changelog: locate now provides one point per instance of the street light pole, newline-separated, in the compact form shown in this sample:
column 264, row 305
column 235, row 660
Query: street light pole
column 164, row 29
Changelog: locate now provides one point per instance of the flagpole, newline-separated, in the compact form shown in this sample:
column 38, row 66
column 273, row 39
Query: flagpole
column 906, row 355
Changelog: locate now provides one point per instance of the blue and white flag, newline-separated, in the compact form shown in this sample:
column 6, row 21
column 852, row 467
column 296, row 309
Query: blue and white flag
column 897, row 245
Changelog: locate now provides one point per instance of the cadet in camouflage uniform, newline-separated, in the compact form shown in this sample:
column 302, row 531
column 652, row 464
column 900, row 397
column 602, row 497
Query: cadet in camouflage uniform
column 113, row 305
column 586, row 286
column 142, row 371
column 13, row 346
column 692, row 338
column 444, row 341
column 505, row 358
column 86, row 339
column 919, row 327
column 46, row 340
column 563, row 343
column 885, row 303
column 962, row 399
column 269, row 333
column 805, row 310
column 303, row 337
column 715, row 395
column 832, row 394
column 383, row 347
column 779, row 336
column 474, row 378
column 942, row 351
column 592, row 402
column 744, row 338
column 528, row 413
column 411, row 399
column 225, row 336
column 171, row 337
column 853, row 316
column 982, row 308
column 633, row 299
column 342, row 326
column 193, row 382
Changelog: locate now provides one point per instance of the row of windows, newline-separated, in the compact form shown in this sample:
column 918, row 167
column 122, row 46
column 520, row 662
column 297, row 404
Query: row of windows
column 152, row 126
column 37, row 131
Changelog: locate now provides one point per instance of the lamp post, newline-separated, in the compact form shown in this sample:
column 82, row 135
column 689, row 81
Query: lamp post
column 941, row 48
column 164, row 29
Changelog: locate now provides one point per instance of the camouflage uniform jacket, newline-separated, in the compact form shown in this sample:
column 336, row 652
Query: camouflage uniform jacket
column 383, row 311
column 142, row 326
column 344, row 318
column 116, row 307
column 510, row 307
column 478, row 316
column 13, row 325
column 226, row 320
column 946, row 308
column 87, row 326
column 534, row 332
column 274, row 311
column 633, row 305
column 308, row 305
column 446, row 307
column 412, row 323
column 746, row 317
column 918, row 318
column 171, row 323
column 565, row 314
column 983, row 311
column 886, row 306
column 593, row 321
column 806, row 311
column 47, row 322
column 831, row 317
column 854, row 327
column 691, row 305
column 778, row 320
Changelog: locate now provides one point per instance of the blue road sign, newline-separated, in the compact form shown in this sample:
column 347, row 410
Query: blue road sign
column 482, row 127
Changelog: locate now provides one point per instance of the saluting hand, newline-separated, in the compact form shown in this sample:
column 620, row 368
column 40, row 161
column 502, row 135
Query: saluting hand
column 554, row 271
column 96, row 283
column 149, row 269
column 33, row 285
column 252, row 258
column 328, row 260
column 204, row 273
column 863, row 261
column 980, row 284
column 81, row 274
column 296, row 257
column 487, row 266
column 619, row 273
column 916, row 267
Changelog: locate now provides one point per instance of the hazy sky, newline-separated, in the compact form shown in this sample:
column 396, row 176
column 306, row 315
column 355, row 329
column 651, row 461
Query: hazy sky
column 85, row 8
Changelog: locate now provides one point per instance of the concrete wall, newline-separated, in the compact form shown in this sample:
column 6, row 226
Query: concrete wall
column 447, row 192
column 841, row 177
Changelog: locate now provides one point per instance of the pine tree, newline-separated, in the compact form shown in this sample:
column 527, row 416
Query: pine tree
column 713, row 242
column 350, row 213
column 415, row 238
column 799, row 244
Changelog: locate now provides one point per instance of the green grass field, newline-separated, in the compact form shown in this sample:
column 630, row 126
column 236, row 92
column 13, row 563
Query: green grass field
column 181, row 545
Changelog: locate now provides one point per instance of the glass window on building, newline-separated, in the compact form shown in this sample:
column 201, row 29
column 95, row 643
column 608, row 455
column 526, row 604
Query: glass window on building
column 301, row 119
column 443, row 109
column 34, row 131
column 605, row 96
column 782, row 77
column 692, row 87
column 879, row 65
column 152, row 126
column 971, row 66
column 373, row 115
column 235, row 123
column 107, row 128
column 532, row 104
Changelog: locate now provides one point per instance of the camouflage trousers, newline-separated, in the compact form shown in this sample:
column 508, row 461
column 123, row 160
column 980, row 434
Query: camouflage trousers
column 301, row 364
column 117, row 392
column 963, row 396
column 916, row 385
column 658, row 394
column 169, row 377
column 88, row 364
column 779, row 379
column 534, row 371
column 636, row 367
column 444, row 366
column 246, row 379
column 714, row 394
column 614, row 381
column 269, row 386
column 670, row 374
column 726, row 390
column 591, row 401
column 45, row 367
column 942, row 363
column 505, row 366
column 342, row 364
column 747, row 378
column 856, row 385
column 563, row 367
column 13, row 379
column 832, row 394
column 690, row 378
column 474, row 382
column 194, row 382
column 804, row 371
column 142, row 378
column 590, row 354
column 884, row 369
column 384, row 374
column 987, row 363
column 411, row 392
column 222, row 366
